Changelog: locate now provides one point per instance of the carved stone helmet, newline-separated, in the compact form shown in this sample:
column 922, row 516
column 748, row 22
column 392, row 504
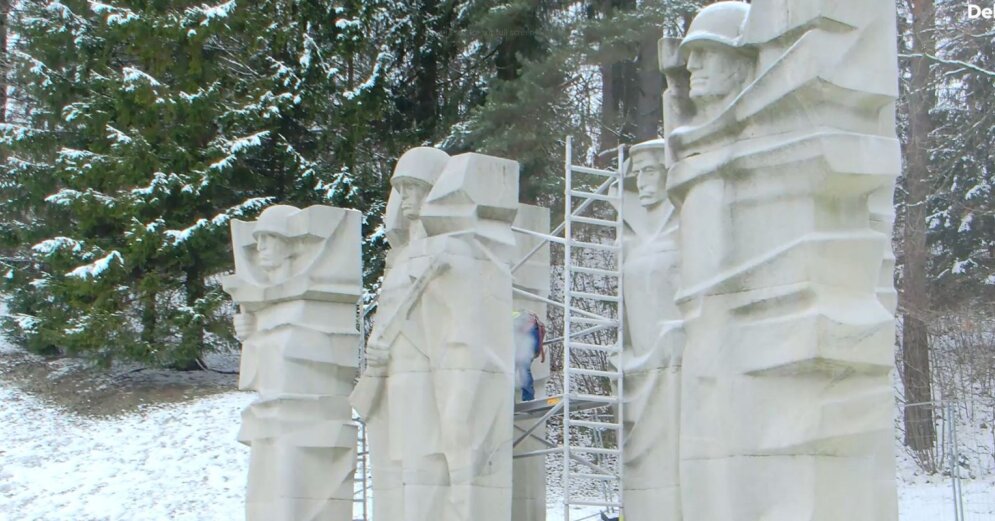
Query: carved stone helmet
column 421, row 163
column 656, row 146
column 721, row 23
column 275, row 220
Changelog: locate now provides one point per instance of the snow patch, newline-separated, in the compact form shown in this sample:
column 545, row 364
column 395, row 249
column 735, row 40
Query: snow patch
column 133, row 77
column 249, row 205
column 14, row 133
column 50, row 246
column 117, row 136
column 978, row 191
column 159, row 180
column 179, row 236
column 237, row 146
column 27, row 323
column 178, row 462
column 37, row 68
column 60, row 10
column 95, row 268
column 73, row 111
column 115, row 15
column 67, row 196
column 962, row 266
column 348, row 23
column 209, row 13
column 370, row 82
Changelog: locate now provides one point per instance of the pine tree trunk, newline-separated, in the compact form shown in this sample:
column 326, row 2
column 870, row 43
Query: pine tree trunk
column 149, row 317
column 920, row 433
column 515, row 48
column 620, row 90
column 426, row 80
column 193, row 333
column 609, row 108
column 4, row 59
column 649, row 108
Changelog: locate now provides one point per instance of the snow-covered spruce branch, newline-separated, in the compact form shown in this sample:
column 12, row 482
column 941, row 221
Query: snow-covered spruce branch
column 945, row 61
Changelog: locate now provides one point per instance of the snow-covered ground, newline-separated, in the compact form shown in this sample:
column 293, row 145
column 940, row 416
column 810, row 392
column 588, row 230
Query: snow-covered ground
column 176, row 462
column 181, row 462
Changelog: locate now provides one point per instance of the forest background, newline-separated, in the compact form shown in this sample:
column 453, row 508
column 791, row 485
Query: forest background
column 132, row 132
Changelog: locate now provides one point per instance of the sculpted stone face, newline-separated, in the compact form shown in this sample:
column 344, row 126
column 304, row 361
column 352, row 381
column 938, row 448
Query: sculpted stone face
column 718, row 73
column 274, row 250
column 413, row 193
column 651, row 178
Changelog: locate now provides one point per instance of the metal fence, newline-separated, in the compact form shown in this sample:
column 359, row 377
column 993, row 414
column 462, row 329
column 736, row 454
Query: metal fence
column 954, row 459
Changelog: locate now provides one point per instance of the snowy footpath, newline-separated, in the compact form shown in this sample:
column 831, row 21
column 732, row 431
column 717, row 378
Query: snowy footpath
column 181, row 462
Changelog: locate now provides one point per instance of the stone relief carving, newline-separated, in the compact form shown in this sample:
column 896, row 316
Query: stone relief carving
column 414, row 175
column 298, row 280
column 447, row 374
column 786, row 391
column 651, row 359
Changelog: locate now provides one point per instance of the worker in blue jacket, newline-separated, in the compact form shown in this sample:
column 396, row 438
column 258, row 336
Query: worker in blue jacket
column 529, row 335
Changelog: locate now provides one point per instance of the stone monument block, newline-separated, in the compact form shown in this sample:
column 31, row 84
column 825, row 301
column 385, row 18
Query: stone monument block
column 654, row 338
column 533, row 276
column 438, row 389
column 783, row 175
column 297, row 281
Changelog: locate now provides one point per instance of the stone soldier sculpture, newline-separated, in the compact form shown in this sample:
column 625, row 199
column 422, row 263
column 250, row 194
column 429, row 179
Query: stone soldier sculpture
column 395, row 333
column 298, row 281
column 778, row 173
column 651, row 358
column 458, row 383
column 440, row 373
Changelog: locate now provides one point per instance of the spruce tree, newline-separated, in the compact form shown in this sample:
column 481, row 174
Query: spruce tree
column 961, row 219
column 151, row 125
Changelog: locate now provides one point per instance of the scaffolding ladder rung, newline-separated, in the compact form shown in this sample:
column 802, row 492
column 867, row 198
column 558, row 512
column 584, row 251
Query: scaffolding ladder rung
column 595, row 221
column 600, row 255
column 595, row 425
column 594, row 271
column 594, row 245
column 596, row 398
column 594, row 296
column 594, row 450
column 593, row 171
column 539, row 452
column 596, row 373
column 602, row 477
column 595, row 347
column 593, row 503
column 596, row 197
column 595, row 321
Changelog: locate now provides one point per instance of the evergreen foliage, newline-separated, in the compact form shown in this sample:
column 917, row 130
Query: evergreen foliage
column 137, row 130
column 151, row 126
column 961, row 221
column 143, row 128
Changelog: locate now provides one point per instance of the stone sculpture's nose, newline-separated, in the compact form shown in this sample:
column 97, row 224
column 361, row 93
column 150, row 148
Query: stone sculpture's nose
column 694, row 60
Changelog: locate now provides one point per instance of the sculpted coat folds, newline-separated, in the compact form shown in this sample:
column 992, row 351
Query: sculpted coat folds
column 651, row 360
column 784, row 150
column 297, row 280
column 441, row 428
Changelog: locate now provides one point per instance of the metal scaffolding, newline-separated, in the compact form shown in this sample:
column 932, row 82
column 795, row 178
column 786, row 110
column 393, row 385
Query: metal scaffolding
column 589, row 444
column 589, row 404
